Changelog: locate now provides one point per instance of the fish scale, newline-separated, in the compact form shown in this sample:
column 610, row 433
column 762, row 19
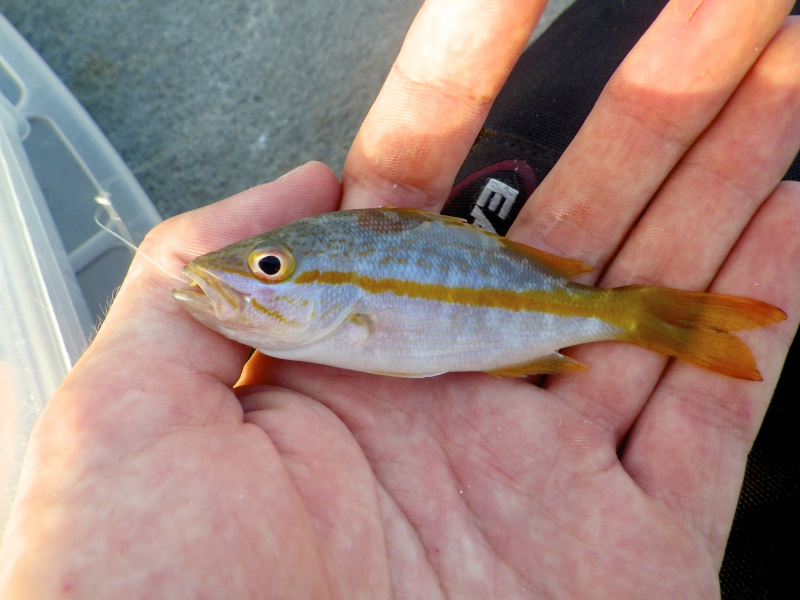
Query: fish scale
column 409, row 293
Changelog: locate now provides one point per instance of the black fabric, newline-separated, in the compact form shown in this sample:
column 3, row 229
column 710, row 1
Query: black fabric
column 546, row 99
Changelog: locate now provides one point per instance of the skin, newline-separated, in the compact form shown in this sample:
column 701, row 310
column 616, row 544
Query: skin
column 147, row 476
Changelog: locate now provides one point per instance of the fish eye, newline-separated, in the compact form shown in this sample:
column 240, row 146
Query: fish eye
column 272, row 265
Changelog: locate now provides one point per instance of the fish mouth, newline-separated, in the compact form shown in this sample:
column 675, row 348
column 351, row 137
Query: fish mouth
column 207, row 295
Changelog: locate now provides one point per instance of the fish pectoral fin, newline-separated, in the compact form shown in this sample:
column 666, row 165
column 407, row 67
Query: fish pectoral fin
column 365, row 320
column 549, row 363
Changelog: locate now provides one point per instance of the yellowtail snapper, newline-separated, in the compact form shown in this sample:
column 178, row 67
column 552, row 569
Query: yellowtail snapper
column 409, row 293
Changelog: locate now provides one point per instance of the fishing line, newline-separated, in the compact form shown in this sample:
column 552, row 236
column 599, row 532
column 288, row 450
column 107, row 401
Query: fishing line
column 166, row 153
column 124, row 236
column 103, row 199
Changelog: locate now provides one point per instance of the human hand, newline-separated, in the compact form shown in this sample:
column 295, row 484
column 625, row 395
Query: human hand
column 146, row 476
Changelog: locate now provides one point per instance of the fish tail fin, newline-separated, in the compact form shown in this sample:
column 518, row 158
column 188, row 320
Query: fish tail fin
column 695, row 327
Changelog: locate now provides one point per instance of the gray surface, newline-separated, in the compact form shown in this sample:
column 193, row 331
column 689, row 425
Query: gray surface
column 205, row 99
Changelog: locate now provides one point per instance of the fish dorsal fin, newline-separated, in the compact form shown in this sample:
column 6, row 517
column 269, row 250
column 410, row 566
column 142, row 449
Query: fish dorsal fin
column 429, row 216
column 395, row 220
column 565, row 267
column 549, row 363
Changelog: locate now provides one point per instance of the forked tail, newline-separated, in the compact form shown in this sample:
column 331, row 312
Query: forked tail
column 695, row 326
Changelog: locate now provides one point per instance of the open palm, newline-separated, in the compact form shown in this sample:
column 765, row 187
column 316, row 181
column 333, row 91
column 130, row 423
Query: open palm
column 148, row 477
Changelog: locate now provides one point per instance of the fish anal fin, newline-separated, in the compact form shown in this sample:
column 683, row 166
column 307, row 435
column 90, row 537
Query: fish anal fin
column 406, row 375
column 549, row 363
column 565, row 267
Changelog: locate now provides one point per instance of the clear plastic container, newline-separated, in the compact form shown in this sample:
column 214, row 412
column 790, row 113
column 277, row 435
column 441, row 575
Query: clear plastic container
column 58, row 269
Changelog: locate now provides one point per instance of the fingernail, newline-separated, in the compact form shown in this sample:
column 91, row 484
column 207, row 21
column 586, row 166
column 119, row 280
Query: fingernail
column 292, row 172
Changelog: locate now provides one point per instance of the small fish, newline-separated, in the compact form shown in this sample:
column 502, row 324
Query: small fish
column 409, row 293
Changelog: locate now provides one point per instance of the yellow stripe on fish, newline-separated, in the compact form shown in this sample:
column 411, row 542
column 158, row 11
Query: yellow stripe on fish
column 410, row 293
column 560, row 301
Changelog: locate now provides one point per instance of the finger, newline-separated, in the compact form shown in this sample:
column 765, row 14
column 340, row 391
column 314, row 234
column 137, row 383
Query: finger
column 455, row 58
column 663, row 95
column 690, row 445
column 709, row 198
column 694, row 221
column 146, row 328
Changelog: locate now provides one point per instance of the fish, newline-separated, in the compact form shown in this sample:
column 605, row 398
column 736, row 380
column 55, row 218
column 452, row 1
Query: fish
column 410, row 293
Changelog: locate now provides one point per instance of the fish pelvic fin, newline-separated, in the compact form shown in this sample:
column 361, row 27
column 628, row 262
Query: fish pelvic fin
column 695, row 327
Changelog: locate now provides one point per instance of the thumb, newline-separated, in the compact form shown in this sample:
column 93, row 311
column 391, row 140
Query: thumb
column 147, row 337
